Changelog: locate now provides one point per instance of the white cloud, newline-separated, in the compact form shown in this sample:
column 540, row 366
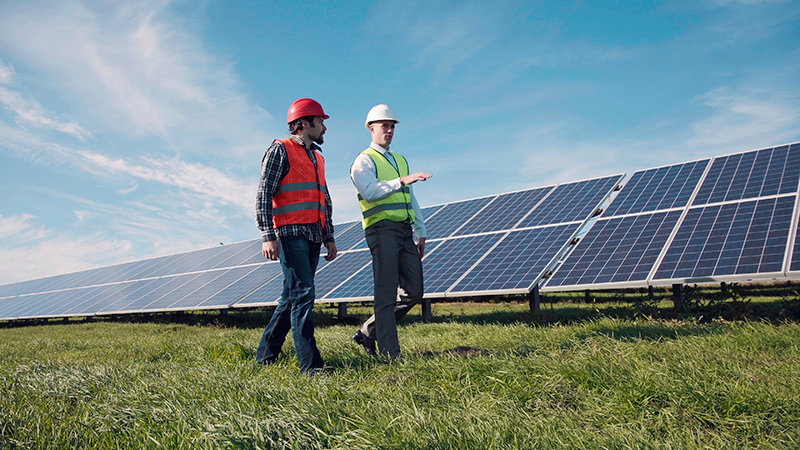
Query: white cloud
column 30, row 112
column 136, row 71
column 747, row 118
column 6, row 73
column 207, row 182
column 20, row 228
column 49, row 257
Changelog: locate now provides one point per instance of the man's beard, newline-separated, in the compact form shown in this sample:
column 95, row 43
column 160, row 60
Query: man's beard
column 319, row 140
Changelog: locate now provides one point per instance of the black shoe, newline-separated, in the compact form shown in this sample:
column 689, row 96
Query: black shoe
column 366, row 342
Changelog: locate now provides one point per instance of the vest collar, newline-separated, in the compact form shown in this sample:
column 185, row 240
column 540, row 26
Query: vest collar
column 299, row 140
column 378, row 148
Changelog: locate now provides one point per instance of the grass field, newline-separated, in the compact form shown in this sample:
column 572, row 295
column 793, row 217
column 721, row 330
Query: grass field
column 607, row 374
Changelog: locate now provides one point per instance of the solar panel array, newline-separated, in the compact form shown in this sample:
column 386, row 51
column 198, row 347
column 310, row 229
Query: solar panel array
column 730, row 218
column 473, row 247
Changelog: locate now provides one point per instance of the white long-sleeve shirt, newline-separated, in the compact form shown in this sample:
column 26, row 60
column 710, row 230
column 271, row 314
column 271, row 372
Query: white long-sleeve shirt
column 365, row 178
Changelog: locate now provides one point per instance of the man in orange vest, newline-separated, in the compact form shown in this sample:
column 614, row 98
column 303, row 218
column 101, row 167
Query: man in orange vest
column 293, row 211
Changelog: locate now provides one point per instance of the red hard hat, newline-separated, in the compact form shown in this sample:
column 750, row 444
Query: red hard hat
column 303, row 107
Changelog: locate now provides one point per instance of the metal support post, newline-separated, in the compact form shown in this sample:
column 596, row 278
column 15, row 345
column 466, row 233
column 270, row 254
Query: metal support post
column 534, row 300
column 342, row 309
column 677, row 295
column 650, row 293
column 427, row 310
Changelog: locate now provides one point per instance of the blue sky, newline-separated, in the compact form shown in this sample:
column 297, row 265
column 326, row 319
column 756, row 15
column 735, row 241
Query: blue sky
column 135, row 129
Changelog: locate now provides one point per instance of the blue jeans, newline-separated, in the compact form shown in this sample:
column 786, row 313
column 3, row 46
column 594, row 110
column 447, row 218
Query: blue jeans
column 299, row 258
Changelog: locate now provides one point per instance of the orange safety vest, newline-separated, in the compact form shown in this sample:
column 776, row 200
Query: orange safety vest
column 301, row 195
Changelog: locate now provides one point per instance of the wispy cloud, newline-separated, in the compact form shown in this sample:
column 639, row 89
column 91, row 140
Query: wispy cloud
column 436, row 40
column 749, row 117
column 6, row 72
column 137, row 71
column 55, row 256
column 20, row 228
column 204, row 181
column 30, row 113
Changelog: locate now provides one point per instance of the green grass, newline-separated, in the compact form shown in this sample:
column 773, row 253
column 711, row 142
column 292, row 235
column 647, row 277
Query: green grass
column 607, row 375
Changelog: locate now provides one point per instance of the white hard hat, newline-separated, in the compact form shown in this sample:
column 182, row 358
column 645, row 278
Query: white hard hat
column 380, row 112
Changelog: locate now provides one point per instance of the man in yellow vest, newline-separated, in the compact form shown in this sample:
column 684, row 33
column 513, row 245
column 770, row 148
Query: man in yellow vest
column 293, row 211
column 390, row 218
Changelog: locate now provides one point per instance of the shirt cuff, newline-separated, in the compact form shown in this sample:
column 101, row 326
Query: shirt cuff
column 268, row 235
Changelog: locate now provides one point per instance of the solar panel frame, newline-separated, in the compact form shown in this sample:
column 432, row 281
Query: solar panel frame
column 571, row 211
column 644, row 180
column 705, row 185
column 727, row 240
column 484, row 221
column 600, row 260
column 200, row 297
column 244, row 286
column 438, row 264
column 453, row 215
column 502, row 267
column 793, row 249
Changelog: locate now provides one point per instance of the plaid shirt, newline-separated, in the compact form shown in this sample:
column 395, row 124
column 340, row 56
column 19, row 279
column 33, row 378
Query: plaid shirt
column 275, row 166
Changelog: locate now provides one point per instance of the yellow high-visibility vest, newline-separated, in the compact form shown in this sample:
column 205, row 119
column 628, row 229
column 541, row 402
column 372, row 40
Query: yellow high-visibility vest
column 395, row 207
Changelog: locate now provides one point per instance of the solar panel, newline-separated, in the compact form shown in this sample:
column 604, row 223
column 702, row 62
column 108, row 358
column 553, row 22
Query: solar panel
column 753, row 174
column 732, row 222
column 444, row 266
column 266, row 292
column 452, row 216
column 339, row 270
column 463, row 237
column 347, row 235
column 517, row 263
column 747, row 237
column 616, row 251
column 571, row 202
column 262, row 275
column 504, row 211
column 658, row 189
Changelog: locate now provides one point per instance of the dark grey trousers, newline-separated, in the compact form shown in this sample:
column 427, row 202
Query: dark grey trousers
column 395, row 263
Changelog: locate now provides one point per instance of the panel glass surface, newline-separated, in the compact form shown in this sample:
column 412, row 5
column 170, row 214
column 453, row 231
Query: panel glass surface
column 518, row 261
column 347, row 235
column 57, row 301
column 266, row 293
column 131, row 292
column 83, row 304
column 740, row 238
column 752, row 174
column 571, row 202
column 227, row 278
column 151, row 267
column 452, row 258
column 160, row 288
column 197, row 259
column 656, row 189
column 339, row 270
column 622, row 249
column 503, row 212
column 236, row 292
column 16, row 307
column 185, row 289
column 453, row 215
column 249, row 252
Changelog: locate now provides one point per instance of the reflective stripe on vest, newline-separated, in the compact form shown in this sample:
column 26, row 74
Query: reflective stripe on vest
column 395, row 207
column 300, row 198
